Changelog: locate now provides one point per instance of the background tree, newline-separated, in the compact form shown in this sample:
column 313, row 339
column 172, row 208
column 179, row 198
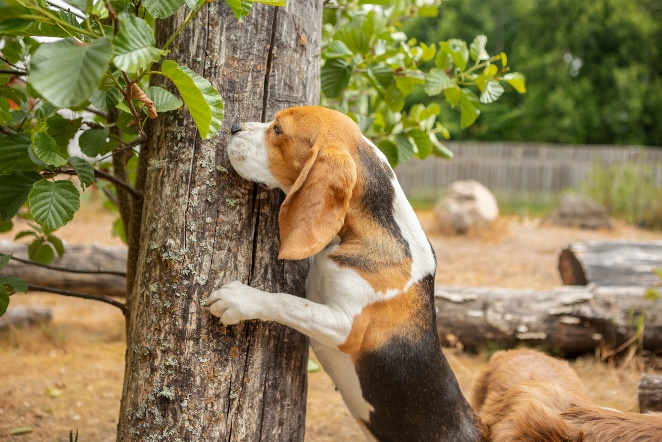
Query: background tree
column 595, row 69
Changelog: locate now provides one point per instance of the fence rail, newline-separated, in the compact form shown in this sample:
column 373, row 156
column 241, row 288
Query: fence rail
column 520, row 170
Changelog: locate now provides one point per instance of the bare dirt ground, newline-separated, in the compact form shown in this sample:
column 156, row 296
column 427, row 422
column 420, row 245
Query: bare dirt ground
column 67, row 375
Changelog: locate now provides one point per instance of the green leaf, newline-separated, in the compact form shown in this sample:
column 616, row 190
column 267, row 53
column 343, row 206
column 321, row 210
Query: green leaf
column 46, row 149
column 13, row 152
column 163, row 100
column 25, row 233
column 335, row 76
column 162, row 8
column 457, row 50
column 469, row 108
column 405, row 148
column 381, row 73
column 492, row 91
column 271, row 2
column 106, row 100
column 62, row 130
column 53, row 204
column 390, row 150
column 516, row 80
column 440, row 150
column 477, row 48
column 14, row 190
column 394, row 98
column 84, row 171
column 4, row 259
column 337, row 49
column 118, row 230
column 5, row 226
column 17, row 285
column 57, row 243
column 312, row 366
column 354, row 39
column 93, row 142
column 4, row 303
column 203, row 101
column 406, row 83
column 453, row 95
column 437, row 81
column 134, row 44
column 428, row 11
column 240, row 8
column 83, row 5
column 39, row 252
column 67, row 73
column 422, row 141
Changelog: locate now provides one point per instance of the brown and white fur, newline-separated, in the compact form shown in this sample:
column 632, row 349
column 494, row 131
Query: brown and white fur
column 369, row 309
column 527, row 396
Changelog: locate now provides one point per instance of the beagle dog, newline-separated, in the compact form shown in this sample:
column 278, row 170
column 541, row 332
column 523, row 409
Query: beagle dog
column 369, row 308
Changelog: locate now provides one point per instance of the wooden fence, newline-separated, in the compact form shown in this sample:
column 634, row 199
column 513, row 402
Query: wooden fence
column 521, row 171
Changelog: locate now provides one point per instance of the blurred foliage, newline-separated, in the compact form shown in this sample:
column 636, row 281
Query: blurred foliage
column 629, row 191
column 595, row 68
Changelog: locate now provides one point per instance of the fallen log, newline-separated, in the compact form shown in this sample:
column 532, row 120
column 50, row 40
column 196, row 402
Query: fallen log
column 21, row 315
column 569, row 320
column 84, row 268
column 650, row 393
column 611, row 263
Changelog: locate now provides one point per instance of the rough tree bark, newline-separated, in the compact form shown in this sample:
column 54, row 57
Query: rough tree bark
column 187, row 377
column 570, row 320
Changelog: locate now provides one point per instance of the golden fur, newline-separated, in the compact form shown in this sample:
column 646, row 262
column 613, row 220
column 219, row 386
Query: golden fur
column 527, row 396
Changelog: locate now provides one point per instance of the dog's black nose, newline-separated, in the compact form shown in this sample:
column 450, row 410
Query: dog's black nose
column 236, row 127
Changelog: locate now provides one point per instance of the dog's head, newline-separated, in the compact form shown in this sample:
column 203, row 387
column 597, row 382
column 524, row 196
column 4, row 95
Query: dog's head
column 309, row 153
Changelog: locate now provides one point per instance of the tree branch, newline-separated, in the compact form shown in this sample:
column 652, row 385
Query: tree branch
column 64, row 269
column 7, row 131
column 96, row 112
column 101, row 298
column 109, row 177
column 13, row 72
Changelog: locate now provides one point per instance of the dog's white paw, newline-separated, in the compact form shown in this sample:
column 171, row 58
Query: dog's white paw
column 235, row 302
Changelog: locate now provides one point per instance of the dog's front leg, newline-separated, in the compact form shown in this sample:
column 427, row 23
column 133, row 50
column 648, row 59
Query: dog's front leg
column 236, row 302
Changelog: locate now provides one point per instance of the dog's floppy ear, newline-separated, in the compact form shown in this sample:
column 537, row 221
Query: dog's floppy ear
column 315, row 208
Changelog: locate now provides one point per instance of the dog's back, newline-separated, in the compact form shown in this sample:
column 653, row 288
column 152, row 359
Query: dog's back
column 524, row 395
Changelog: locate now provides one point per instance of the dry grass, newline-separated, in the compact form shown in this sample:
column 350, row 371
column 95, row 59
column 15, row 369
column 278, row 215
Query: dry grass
column 67, row 375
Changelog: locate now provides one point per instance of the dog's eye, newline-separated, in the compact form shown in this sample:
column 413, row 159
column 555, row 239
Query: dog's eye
column 277, row 130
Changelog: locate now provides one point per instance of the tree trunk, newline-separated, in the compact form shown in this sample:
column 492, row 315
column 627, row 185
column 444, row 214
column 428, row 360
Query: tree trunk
column 611, row 263
column 569, row 320
column 84, row 257
column 187, row 377
column 650, row 393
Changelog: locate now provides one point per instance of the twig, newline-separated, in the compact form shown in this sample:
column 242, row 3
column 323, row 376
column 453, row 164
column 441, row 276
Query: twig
column 7, row 131
column 111, row 197
column 13, row 72
column 109, row 177
column 10, row 64
column 125, row 146
column 64, row 269
column 113, row 14
column 96, row 112
column 106, row 299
